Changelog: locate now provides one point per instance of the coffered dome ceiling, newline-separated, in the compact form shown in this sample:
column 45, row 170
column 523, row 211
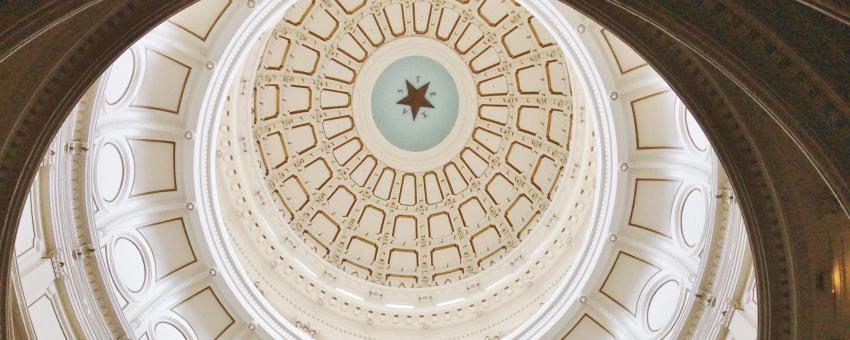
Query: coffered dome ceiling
column 412, row 145
column 383, row 170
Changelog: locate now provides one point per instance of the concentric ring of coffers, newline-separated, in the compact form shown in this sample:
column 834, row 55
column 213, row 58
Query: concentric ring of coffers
column 382, row 223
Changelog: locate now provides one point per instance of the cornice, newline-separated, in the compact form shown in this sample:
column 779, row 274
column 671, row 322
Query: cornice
column 724, row 264
column 75, row 245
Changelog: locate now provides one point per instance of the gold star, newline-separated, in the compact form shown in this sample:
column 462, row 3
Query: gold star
column 416, row 98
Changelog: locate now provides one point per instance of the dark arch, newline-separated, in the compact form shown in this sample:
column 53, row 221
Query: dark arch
column 767, row 81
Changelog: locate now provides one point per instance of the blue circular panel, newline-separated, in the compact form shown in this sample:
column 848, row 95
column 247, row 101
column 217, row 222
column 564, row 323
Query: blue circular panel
column 415, row 103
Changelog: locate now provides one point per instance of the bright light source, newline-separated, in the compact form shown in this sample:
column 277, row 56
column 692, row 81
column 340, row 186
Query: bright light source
column 350, row 294
column 497, row 283
column 444, row 303
column 398, row 306
column 305, row 268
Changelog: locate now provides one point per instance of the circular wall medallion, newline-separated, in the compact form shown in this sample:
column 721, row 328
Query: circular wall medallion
column 110, row 172
column 693, row 217
column 695, row 133
column 166, row 330
column 132, row 271
column 120, row 77
column 415, row 103
column 663, row 305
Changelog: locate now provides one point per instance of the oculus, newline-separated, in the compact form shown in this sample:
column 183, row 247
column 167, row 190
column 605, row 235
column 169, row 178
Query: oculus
column 415, row 103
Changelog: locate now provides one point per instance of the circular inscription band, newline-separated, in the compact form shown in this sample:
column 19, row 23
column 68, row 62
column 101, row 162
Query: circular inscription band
column 414, row 104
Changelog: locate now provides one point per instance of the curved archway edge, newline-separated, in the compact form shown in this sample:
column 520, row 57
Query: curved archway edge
column 765, row 83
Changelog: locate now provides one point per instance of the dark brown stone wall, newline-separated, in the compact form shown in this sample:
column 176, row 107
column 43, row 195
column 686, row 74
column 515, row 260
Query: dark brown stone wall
column 768, row 82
